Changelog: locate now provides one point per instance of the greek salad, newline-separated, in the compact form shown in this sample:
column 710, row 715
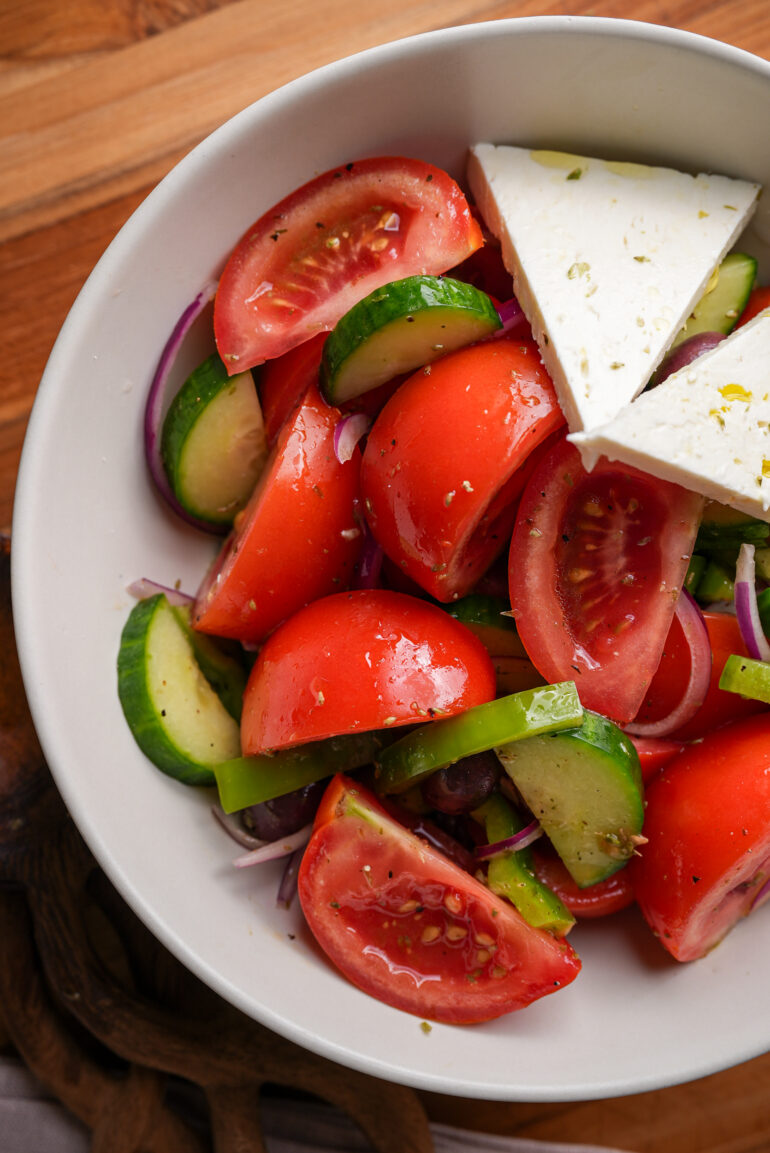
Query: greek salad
column 481, row 652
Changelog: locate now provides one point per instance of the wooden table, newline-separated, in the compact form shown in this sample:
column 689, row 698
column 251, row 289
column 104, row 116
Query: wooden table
column 97, row 101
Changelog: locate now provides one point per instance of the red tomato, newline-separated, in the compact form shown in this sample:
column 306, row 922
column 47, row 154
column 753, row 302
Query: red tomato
column 284, row 381
column 308, row 260
column 596, row 563
column 409, row 927
column 757, row 302
column 442, row 468
column 708, row 838
column 369, row 659
column 667, row 685
column 654, row 753
column 297, row 538
column 599, row 900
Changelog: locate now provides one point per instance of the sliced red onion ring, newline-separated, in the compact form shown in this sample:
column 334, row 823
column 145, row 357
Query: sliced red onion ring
column 746, row 608
column 511, row 315
column 513, row 844
column 761, row 896
column 696, row 634
column 347, row 434
column 144, row 589
column 288, row 886
column 275, row 849
column 154, row 408
column 233, row 827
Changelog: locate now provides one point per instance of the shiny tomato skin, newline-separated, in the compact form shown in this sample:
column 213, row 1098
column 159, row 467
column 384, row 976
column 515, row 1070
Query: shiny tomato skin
column 654, row 753
column 284, row 381
column 599, row 900
column 312, row 256
column 446, row 461
column 358, row 661
column 596, row 563
column 297, row 538
column 707, row 825
column 406, row 925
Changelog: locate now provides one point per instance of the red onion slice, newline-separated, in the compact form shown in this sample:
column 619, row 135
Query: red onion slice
column 347, row 434
column 746, row 608
column 283, row 847
column 511, row 315
column 233, row 827
column 144, row 589
column 514, row 844
column 154, row 408
column 288, row 886
column 696, row 634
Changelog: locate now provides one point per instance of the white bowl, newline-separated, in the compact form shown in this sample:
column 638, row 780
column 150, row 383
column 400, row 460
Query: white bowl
column 87, row 523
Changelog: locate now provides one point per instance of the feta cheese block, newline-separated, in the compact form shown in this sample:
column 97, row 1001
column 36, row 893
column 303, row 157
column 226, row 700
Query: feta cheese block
column 607, row 259
column 706, row 427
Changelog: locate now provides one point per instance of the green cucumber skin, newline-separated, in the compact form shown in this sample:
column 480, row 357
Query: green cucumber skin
column 592, row 847
column 137, row 703
column 436, row 303
column 201, row 389
column 719, row 310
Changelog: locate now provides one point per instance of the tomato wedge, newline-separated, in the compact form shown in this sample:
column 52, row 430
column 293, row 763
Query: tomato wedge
column 600, row 900
column 706, row 863
column 596, row 563
column 297, row 538
column 406, row 925
column 311, row 257
column 446, row 459
column 368, row 659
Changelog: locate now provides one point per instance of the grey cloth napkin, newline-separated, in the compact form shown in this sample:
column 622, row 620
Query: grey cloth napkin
column 31, row 1121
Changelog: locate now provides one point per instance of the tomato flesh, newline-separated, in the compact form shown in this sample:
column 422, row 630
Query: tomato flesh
column 707, row 825
column 297, row 538
column 599, row 900
column 445, row 461
column 596, row 563
column 311, row 257
column 409, row 927
column 368, row 659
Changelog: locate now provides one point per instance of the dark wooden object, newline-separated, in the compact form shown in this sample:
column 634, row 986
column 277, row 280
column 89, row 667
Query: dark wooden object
column 104, row 1016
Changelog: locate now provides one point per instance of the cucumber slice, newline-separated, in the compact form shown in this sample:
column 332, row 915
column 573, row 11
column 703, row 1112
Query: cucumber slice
column 222, row 663
column 724, row 299
column 511, row 874
column 213, row 443
column 585, row 788
column 176, row 717
column 483, row 615
column 441, row 743
column 400, row 327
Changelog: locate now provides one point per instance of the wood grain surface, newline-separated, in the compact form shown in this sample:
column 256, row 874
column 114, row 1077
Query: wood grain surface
column 97, row 101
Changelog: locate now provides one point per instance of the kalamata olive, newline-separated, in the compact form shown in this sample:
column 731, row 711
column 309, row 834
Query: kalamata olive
column 686, row 352
column 463, row 786
column 284, row 815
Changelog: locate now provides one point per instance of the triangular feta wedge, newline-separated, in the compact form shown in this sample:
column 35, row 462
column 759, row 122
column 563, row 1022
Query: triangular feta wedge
column 608, row 260
column 706, row 427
